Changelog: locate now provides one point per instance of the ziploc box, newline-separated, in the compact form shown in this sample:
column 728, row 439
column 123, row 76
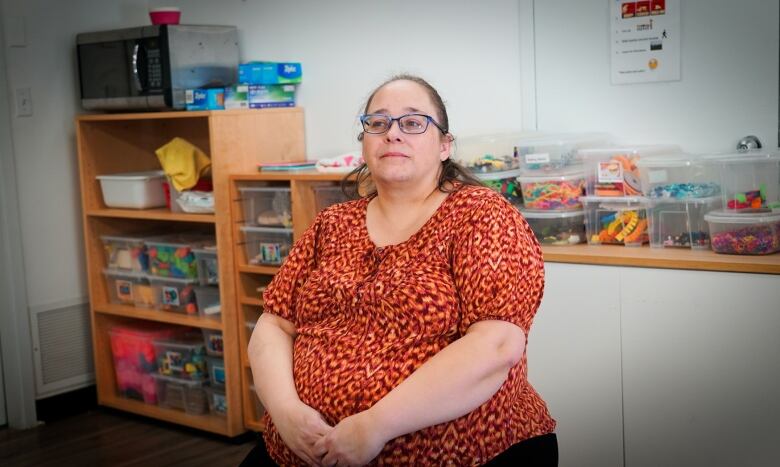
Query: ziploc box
column 237, row 97
column 205, row 99
column 270, row 73
column 271, row 95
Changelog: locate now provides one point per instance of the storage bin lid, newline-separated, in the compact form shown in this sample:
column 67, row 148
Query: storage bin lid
column 175, row 280
column 206, row 250
column 729, row 217
column 625, row 200
column 552, row 176
column 671, row 160
column 551, row 214
column 563, row 139
column 636, row 150
column 193, row 240
column 264, row 189
column 123, row 238
column 707, row 200
column 752, row 156
column 514, row 173
column 273, row 230
column 125, row 274
column 192, row 383
column 188, row 342
column 133, row 176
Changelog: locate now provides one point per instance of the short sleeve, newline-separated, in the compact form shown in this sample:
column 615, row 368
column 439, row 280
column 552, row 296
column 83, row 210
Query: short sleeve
column 497, row 266
column 280, row 295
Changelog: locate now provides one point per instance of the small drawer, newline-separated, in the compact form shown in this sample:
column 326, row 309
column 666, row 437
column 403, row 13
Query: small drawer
column 266, row 246
column 174, row 295
column 181, row 358
column 182, row 394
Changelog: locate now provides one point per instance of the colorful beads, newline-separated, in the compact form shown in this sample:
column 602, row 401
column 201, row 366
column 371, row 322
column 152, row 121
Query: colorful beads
column 508, row 187
column 685, row 190
column 172, row 261
column 687, row 240
column 622, row 228
column 752, row 240
column 748, row 200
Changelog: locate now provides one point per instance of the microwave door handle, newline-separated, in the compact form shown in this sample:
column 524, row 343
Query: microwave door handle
column 136, row 78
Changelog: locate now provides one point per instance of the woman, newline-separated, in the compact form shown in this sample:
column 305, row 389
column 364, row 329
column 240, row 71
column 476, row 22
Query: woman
column 395, row 332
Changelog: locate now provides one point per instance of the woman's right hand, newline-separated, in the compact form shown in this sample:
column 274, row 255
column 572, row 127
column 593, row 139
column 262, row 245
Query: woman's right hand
column 300, row 427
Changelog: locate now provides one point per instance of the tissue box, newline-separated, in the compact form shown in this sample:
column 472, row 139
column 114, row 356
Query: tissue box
column 271, row 95
column 237, row 97
column 269, row 73
column 205, row 99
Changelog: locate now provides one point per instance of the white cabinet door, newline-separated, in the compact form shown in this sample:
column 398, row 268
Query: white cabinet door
column 701, row 368
column 574, row 362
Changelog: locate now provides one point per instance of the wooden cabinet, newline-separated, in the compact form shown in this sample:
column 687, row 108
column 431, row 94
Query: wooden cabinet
column 250, row 278
column 114, row 143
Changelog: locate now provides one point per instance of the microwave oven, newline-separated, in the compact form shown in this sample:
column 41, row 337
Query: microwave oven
column 151, row 67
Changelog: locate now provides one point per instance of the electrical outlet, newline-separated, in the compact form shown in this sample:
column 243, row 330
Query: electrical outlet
column 24, row 107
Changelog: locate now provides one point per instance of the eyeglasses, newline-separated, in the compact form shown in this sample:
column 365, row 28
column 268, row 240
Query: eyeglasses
column 413, row 124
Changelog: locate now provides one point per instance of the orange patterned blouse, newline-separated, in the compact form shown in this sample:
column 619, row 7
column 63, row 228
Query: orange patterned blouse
column 367, row 317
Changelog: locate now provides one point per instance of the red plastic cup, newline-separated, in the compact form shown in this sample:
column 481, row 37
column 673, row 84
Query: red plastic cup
column 165, row 15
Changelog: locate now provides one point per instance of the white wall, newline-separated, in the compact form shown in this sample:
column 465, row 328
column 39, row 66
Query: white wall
column 729, row 70
column 347, row 47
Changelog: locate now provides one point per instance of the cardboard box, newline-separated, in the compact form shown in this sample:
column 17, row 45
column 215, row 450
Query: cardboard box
column 270, row 73
column 271, row 95
column 237, row 97
column 205, row 99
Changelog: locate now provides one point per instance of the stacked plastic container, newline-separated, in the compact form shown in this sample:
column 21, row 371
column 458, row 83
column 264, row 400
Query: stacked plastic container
column 552, row 181
column 163, row 272
column 267, row 225
column 681, row 189
column 614, row 205
column 495, row 160
column 749, row 223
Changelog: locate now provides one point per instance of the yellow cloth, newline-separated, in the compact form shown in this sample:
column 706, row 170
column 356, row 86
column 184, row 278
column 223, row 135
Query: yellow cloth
column 183, row 163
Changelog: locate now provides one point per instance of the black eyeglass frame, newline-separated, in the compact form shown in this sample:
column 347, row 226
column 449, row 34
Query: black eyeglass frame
column 428, row 119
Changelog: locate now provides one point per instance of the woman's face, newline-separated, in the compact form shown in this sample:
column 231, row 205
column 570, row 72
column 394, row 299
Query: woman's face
column 397, row 157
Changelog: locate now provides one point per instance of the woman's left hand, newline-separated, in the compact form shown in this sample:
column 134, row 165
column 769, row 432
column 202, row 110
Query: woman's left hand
column 353, row 441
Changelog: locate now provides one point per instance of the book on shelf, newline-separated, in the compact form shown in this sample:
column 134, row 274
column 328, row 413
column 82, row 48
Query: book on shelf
column 285, row 166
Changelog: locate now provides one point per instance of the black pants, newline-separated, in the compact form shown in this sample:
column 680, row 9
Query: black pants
column 541, row 451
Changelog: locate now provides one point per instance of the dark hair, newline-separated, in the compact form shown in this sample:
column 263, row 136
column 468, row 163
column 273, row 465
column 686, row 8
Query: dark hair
column 451, row 171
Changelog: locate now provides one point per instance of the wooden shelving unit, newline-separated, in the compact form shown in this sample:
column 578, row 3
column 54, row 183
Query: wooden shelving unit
column 114, row 143
column 249, row 277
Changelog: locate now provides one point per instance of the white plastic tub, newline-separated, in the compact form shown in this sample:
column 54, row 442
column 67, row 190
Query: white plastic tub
column 557, row 227
column 678, row 177
column 134, row 190
column 617, row 171
column 484, row 154
column 553, row 192
column 749, row 180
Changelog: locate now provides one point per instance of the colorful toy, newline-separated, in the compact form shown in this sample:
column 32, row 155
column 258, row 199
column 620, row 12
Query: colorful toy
column 508, row 187
column 685, row 190
column 488, row 163
column 748, row 200
column 618, row 177
column 181, row 359
column 687, row 240
column 627, row 227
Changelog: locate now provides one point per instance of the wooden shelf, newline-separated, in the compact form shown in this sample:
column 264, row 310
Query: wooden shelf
column 211, row 423
column 251, row 301
column 255, row 425
column 159, row 316
column 271, row 270
column 665, row 258
column 161, row 214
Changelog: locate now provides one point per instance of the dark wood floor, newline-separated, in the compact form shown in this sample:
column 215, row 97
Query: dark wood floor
column 103, row 437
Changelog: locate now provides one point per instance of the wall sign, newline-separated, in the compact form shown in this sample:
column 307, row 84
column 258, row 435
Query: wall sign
column 645, row 41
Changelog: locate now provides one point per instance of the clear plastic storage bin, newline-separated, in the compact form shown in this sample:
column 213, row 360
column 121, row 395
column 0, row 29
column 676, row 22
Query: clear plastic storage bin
column 554, row 153
column 213, row 342
column 181, row 358
column 266, row 206
column 216, row 367
column 132, row 348
column 182, row 394
column 208, row 265
column 616, row 171
column 122, row 286
column 207, row 299
column 486, row 154
column 678, row 177
column 744, row 233
column 749, row 180
column 557, row 227
column 134, row 190
column 679, row 223
column 506, row 183
column 328, row 195
column 175, row 295
column 174, row 255
column 553, row 192
column 266, row 245
column 125, row 253
column 217, row 400
column 615, row 221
